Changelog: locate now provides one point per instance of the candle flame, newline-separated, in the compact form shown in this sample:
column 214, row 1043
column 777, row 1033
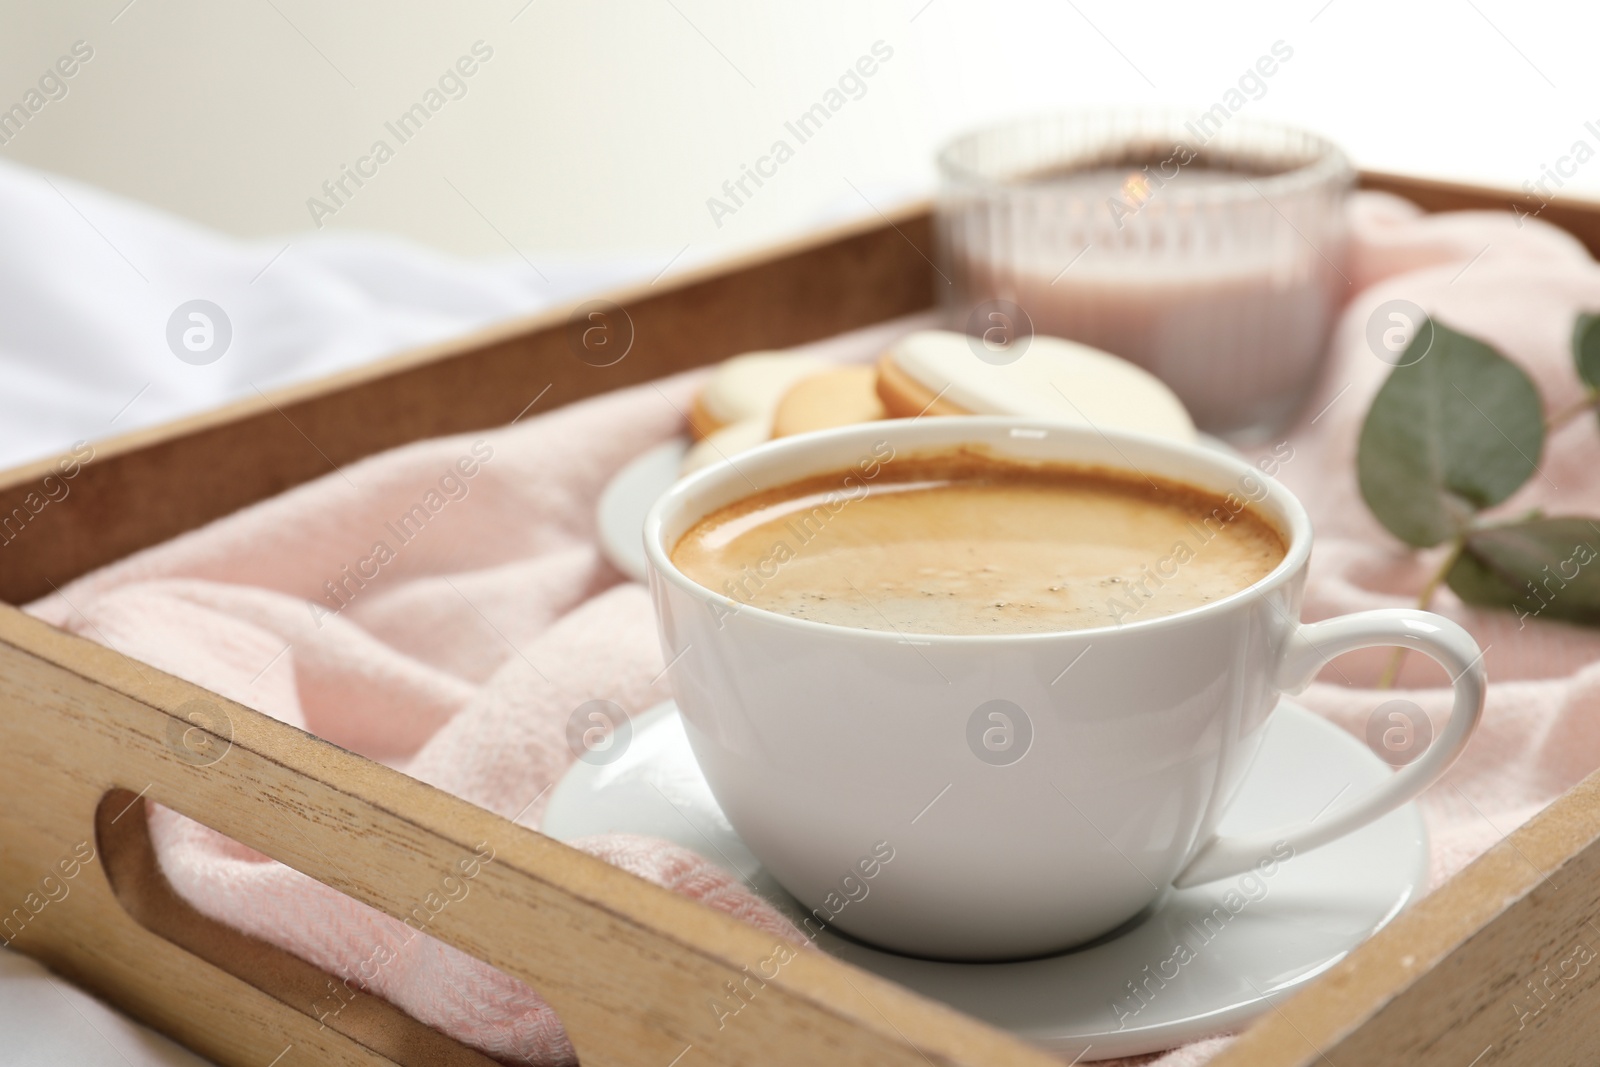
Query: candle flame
column 1136, row 189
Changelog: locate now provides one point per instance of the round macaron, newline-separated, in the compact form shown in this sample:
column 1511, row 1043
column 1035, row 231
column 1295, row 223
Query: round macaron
column 937, row 372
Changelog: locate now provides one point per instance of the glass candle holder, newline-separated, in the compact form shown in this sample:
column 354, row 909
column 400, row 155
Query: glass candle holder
column 1210, row 251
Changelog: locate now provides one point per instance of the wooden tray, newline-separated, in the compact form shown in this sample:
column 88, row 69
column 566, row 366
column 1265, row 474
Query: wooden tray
column 86, row 732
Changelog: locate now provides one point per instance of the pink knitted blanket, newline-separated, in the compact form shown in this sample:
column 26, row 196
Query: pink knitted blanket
column 460, row 647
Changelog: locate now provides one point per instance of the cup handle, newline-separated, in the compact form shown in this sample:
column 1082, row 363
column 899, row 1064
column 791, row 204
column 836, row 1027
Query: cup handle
column 1309, row 649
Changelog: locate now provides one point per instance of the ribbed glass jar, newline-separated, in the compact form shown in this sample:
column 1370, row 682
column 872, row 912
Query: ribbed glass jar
column 1210, row 250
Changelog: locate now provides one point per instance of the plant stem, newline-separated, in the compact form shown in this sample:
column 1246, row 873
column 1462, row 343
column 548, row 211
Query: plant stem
column 1424, row 601
column 1590, row 401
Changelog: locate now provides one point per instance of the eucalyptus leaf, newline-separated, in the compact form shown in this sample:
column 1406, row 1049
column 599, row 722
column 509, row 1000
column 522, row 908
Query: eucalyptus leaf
column 1543, row 568
column 1586, row 348
column 1457, row 428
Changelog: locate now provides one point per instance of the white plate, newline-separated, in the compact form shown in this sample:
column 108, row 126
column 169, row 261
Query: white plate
column 1311, row 912
column 627, row 499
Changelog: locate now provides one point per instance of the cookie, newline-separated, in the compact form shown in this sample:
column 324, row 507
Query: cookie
column 833, row 398
column 748, row 387
column 936, row 372
column 725, row 443
column 903, row 397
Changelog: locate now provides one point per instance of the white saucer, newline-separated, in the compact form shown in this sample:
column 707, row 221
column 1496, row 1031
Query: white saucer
column 1314, row 909
column 628, row 497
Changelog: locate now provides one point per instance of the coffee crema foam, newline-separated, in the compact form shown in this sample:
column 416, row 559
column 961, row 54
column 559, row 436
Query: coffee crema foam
column 963, row 542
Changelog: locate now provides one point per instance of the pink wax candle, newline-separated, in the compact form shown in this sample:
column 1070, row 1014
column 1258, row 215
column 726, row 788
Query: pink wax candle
column 1218, row 266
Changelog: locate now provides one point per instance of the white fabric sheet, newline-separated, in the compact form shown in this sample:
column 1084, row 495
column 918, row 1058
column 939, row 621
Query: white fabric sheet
column 88, row 282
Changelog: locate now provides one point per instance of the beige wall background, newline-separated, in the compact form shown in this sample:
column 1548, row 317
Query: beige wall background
column 600, row 130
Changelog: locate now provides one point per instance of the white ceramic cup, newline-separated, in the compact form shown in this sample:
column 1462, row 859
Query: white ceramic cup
column 1030, row 791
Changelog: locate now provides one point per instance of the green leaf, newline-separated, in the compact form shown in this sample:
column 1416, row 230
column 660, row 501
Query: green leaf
column 1586, row 348
column 1457, row 428
column 1545, row 568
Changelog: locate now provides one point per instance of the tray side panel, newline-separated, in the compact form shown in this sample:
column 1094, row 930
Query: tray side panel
column 1499, row 967
column 634, row 971
column 128, row 858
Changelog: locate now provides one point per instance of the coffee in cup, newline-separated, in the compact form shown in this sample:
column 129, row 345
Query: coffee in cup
column 968, row 542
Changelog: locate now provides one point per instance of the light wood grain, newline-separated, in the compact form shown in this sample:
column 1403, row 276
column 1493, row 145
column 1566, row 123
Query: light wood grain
column 128, row 858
